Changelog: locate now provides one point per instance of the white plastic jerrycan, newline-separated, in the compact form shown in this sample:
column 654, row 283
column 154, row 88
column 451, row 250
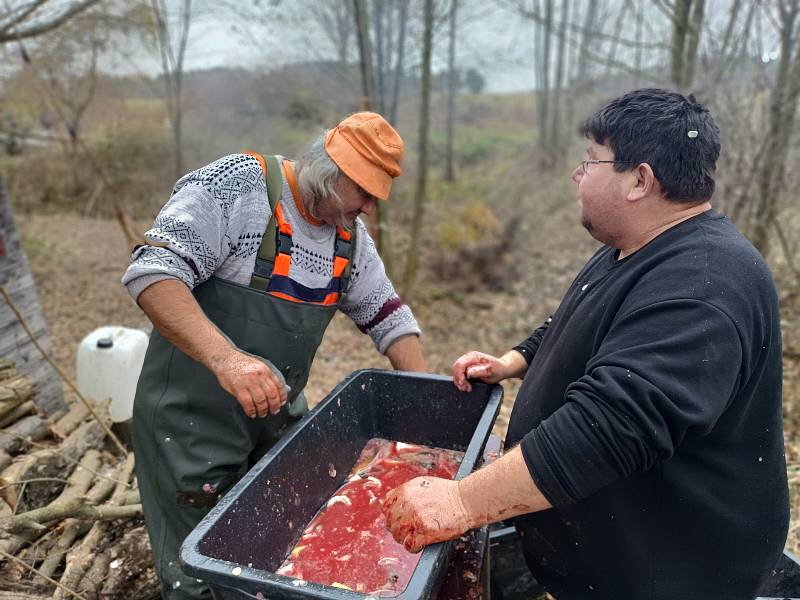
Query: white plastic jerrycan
column 109, row 362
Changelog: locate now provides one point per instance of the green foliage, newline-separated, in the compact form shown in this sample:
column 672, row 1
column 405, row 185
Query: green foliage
column 32, row 246
column 474, row 81
column 471, row 225
column 473, row 146
column 135, row 159
column 132, row 151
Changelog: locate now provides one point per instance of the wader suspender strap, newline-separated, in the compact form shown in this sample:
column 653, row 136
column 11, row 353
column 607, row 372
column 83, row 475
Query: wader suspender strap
column 271, row 240
column 343, row 250
column 278, row 245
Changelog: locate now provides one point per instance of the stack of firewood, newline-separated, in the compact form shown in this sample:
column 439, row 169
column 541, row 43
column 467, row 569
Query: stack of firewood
column 70, row 516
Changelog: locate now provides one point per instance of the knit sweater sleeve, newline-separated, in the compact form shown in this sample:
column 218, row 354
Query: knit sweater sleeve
column 371, row 300
column 663, row 374
column 199, row 226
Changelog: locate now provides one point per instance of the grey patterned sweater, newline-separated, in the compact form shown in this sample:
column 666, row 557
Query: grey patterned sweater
column 213, row 223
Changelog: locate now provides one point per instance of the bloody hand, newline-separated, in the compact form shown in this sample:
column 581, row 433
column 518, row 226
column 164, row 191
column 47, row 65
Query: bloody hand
column 424, row 511
column 251, row 381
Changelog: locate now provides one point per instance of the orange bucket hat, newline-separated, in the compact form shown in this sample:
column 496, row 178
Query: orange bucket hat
column 368, row 150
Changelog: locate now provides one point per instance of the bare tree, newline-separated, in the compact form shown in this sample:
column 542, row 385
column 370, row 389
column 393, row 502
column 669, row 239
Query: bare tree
column 73, row 80
column 381, row 33
column 410, row 273
column 377, row 225
column 172, row 36
column 556, row 136
column 402, row 18
column 336, row 19
column 783, row 105
column 452, row 80
column 586, row 39
column 36, row 17
column 687, row 26
column 368, row 101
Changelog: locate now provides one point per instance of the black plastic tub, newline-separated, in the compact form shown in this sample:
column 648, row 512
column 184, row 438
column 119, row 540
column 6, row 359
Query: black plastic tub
column 240, row 544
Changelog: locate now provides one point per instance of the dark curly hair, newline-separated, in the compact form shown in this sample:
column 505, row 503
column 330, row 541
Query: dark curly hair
column 674, row 134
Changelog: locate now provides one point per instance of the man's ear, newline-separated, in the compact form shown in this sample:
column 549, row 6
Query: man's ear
column 644, row 182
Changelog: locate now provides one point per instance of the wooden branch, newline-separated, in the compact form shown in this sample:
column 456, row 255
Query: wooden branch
column 130, row 497
column 53, row 581
column 13, row 392
column 20, row 596
column 5, row 460
column 77, row 485
column 63, row 375
column 82, row 477
column 101, row 490
column 15, row 438
column 74, row 417
column 15, row 415
column 47, row 462
column 8, row 369
column 92, row 582
column 76, row 508
column 16, row 35
column 22, row 13
column 70, row 529
column 135, row 556
column 79, row 559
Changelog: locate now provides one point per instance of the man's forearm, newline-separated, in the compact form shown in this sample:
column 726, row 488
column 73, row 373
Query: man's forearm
column 515, row 363
column 501, row 490
column 405, row 354
column 176, row 314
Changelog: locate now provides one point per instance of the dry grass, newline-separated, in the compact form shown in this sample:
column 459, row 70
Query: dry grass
column 78, row 262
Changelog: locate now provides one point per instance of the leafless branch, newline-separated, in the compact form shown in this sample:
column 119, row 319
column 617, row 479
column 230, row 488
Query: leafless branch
column 14, row 33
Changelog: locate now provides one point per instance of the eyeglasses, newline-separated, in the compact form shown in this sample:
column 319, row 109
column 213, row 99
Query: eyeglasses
column 585, row 164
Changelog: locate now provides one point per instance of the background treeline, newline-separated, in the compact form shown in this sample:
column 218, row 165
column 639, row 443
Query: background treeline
column 99, row 112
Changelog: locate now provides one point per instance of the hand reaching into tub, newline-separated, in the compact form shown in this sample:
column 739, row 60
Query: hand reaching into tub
column 427, row 510
column 424, row 511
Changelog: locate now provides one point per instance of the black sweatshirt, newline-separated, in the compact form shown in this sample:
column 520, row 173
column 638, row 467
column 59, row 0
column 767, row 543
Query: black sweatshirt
column 650, row 418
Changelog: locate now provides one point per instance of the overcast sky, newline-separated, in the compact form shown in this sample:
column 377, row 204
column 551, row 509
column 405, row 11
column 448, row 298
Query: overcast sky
column 487, row 38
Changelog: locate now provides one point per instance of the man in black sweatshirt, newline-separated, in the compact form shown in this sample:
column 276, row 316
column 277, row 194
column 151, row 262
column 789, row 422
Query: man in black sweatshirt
column 645, row 449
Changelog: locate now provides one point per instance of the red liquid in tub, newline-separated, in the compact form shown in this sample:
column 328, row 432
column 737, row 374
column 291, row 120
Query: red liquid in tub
column 347, row 543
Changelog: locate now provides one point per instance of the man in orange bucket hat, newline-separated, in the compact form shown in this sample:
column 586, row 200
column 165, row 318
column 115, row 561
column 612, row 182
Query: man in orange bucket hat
column 243, row 269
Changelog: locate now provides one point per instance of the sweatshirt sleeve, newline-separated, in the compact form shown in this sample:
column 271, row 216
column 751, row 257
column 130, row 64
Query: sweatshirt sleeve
column 664, row 373
column 529, row 347
column 192, row 235
column 371, row 300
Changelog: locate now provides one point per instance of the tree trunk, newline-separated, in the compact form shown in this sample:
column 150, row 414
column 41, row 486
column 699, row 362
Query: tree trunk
column 687, row 28
column 611, row 59
column 782, row 114
column 410, row 274
column 368, row 102
column 378, row 27
column 545, row 31
column 398, row 62
column 452, row 77
column 365, row 56
column 556, row 131
column 693, row 42
column 172, row 60
column 586, row 40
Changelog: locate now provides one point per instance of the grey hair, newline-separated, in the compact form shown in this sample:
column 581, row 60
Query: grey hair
column 317, row 176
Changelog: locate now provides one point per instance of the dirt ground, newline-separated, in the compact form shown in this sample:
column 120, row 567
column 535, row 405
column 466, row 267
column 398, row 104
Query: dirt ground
column 78, row 262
